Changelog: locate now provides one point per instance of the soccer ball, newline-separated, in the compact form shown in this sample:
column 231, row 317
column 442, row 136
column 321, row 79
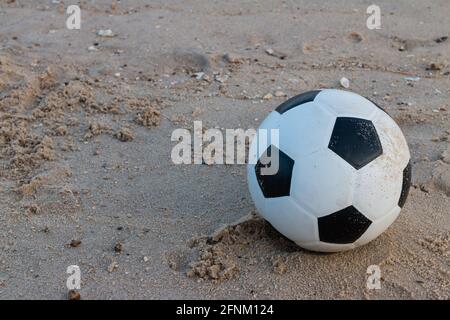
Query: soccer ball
column 343, row 173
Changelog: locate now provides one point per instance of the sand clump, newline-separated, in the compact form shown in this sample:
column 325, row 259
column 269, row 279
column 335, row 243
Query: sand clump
column 279, row 265
column 96, row 128
column 214, row 264
column 68, row 97
column 125, row 134
column 33, row 209
column 146, row 109
column 233, row 58
column 60, row 130
column 73, row 295
column 150, row 117
column 438, row 244
column 31, row 187
column 218, row 253
column 24, row 148
column 42, row 114
column 119, row 247
column 28, row 155
column 174, row 259
column 33, row 108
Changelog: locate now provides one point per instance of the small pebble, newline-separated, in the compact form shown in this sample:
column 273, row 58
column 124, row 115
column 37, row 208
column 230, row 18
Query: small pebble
column 434, row 67
column 270, row 51
column 268, row 96
column 412, row 78
column 233, row 58
column 441, row 39
column 105, row 33
column 199, row 75
column 355, row 37
column 75, row 243
column 74, row 295
column 220, row 78
column 113, row 266
column 344, row 82
column 277, row 54
column 118, row 247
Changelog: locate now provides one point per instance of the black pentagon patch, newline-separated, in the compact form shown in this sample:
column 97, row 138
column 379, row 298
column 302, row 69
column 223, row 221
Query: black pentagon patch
column 278, row 184
column 343, row 226
column 407, row 172
column 296, row 101
column 355, row 140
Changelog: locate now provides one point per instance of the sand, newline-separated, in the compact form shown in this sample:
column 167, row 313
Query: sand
column 85, row 123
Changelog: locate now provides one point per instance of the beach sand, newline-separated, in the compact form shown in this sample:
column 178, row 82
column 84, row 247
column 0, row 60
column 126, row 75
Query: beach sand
column 86, row 176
